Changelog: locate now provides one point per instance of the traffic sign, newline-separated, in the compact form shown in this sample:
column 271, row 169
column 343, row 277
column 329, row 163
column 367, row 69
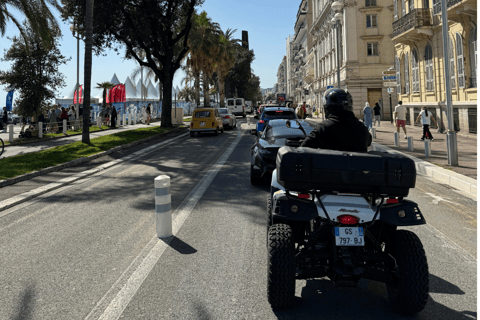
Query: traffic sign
column 390, row 90
column 390, row 84
column 329, row 87
column 389, row 72
column 386, row 78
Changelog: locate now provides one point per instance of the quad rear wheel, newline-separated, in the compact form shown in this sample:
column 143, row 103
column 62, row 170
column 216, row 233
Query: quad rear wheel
column 408, row 293
column 281, row 266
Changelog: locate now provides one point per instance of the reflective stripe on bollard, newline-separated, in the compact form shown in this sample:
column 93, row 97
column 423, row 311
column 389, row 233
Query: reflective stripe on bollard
column 163, row 199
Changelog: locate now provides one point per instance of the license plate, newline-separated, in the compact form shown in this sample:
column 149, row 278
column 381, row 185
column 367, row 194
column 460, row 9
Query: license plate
column 349, row 236
column 202, row 124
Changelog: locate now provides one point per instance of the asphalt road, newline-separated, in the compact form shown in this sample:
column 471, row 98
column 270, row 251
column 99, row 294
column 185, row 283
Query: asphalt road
column 89, row 250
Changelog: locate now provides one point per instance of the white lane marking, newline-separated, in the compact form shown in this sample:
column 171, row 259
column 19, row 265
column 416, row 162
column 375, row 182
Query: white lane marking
column 437, row 199
column 118, row 304
column 449, row 243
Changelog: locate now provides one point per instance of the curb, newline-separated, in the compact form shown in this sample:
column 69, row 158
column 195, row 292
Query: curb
column 75, row 162
column 439, row 174
column 6, row 204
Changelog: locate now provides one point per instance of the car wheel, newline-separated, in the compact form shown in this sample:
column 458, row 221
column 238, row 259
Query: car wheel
column 222, row 130
column 216, row 131
column 281, row 266
column 408, row 293
column 244, row 115
column 255, row 179
column 192, row 134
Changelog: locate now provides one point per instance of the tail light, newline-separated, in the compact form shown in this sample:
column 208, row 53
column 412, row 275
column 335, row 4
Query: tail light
column 348, row 219
column 213, row 124
column 304, row 196
column 191, row 125
column 392, row 200
column 261, row 121
column 227, row 117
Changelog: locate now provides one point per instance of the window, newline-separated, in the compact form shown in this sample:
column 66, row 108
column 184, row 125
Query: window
column 370, row 3
column 452, row 63
column 437, row 6
column 403, row 7
column 429, row 68
column 395, row 10
column 472, row 44
column 411, row 6
column 202, row 114
column 407, row 83
column 460, row 67
column 415, row 82
column 426, row 4
column 372, row 49
column 397, row 69
column 371, row 20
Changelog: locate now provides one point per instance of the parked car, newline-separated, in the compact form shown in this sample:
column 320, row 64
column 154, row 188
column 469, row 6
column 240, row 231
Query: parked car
column 263, row 153
column 274, row 112
column 14, row 118
column 229, row 119
column 237, row 106
column 206, row 120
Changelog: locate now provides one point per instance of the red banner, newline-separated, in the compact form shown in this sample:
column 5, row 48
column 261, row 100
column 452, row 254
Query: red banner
column 80, row 88
column 117, row 94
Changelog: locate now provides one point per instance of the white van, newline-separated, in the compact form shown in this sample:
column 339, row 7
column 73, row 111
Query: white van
column 237, row 106
column 248, row 107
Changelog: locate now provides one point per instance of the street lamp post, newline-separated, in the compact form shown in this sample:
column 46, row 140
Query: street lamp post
column 77, row 35
column 337, row 7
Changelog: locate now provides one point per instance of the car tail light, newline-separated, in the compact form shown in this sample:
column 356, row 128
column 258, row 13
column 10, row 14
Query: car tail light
column 347, row 219
column 261, row 121
column 303, row 196
column 279, row 111
column 392, row 200
column 191, row 124
column 213, row 124
column 227, row 117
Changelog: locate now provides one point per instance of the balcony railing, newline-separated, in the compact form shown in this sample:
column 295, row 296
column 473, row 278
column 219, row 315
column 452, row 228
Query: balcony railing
column 437, row 5
column 416, row 18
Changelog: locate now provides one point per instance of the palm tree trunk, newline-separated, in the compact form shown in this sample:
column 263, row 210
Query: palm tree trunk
column 206, row 91
column 87, row 71
column 166, row 120
column 197, row 88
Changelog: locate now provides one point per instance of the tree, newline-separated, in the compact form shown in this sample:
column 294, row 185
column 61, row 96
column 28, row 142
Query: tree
column 39, row 18
column 227, row 49
column 105, row 86
column 240, row 73
column 159, row 27
column 34, row 72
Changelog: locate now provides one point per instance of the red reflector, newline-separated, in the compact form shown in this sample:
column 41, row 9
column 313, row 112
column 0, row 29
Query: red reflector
column 213, row 124
column 278, row 111
column 191, row 124
column 303, row 195
column 347, row 219
column 392, row 200
column 227, row 117
column 261, row 121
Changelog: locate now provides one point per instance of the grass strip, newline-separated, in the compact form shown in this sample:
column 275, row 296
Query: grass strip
column 17, row 165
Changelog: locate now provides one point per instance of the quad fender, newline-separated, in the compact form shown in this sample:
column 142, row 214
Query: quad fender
column 411, row 215
column 289, row 209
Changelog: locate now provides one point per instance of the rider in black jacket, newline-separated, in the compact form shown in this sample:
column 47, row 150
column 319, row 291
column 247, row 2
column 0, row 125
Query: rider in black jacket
column 341, row 130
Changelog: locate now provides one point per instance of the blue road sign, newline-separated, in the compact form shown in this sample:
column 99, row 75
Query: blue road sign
column 389, row 78
column 329, row 87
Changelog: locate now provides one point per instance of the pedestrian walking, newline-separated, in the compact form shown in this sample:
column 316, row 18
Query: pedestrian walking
column 400, row 116
column 113, row 117
column 299, row 111
column 5, row 119
column 376, row 113
column 426, row 116
column 149, row 113
column 304, row 107
column 63, row 116
column 367, row 116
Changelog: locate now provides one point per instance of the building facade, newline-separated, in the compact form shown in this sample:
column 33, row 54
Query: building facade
column 419, row 59
column 282, row 76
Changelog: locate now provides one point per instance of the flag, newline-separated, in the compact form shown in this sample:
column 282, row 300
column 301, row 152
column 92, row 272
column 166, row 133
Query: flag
column 80, row 89
column 9, row 100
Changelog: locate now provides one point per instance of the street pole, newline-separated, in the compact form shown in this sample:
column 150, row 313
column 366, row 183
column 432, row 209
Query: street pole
column 337, row 22
column 391, row 112
column 452, row 152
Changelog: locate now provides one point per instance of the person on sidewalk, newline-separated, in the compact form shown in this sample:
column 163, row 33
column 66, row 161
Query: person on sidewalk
column 368, row 116
column 341, row 130
column 426, row 116
column 304, row 107
column 149, row 113
column 113, row 117
column 53, row 121
column 63, row 116
column 376, row 113
column 399, row 115
column 5, row 119
column 300, row 113
column 71, row 116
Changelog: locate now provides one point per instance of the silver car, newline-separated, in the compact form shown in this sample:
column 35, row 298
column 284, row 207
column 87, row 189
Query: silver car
column 229, row 119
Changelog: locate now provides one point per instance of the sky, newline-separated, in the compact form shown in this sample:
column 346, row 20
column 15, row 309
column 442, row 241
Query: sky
column 268, row 22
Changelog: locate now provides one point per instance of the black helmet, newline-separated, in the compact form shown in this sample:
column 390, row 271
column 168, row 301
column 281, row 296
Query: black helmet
column 337, row 100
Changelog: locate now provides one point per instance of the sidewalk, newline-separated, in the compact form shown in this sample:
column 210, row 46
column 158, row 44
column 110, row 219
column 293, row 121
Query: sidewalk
column 436, row 166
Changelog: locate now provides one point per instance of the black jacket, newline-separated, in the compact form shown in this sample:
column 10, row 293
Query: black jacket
column 342, row 131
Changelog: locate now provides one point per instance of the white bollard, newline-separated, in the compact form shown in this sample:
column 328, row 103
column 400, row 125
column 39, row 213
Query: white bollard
column 124, row 119
column 428, row 148
column 248, row 120
column 396, row 139
column 40, row 129
column 374, row 133
column 410, row 143
column 163, row 204
column 134, row 119
column 10, row 133
column 64, row 126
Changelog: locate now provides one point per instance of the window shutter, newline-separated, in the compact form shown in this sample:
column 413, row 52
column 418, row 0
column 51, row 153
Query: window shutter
column 437, row 6
column 452, row 63
column 395, row 10
column 397, row 69
column 403, row 7
column 415, row 84
column 460, row 67
column 473, row 57
column 407, row 84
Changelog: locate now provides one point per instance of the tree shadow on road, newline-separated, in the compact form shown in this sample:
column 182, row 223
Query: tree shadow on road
column 26, row 304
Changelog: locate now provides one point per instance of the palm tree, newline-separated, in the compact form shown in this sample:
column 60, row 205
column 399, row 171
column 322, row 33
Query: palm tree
column 226, row 54
column 105, row 86
column 87, row 71
column 39, row 18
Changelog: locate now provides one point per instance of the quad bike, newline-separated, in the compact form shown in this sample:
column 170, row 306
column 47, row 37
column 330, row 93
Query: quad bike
column 345, row 236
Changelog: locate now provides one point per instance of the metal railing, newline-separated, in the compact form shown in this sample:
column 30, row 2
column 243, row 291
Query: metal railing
column 437, row 8
column 415, row 19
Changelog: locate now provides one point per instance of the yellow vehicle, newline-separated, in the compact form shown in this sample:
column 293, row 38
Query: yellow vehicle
column 206, row 120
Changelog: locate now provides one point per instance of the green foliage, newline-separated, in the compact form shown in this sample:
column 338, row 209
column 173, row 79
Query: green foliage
column 34, row 73
column 240, row 74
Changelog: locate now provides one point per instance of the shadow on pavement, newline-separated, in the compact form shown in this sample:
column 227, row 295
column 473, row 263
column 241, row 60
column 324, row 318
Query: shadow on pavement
column 180, row 246
column 26, row 304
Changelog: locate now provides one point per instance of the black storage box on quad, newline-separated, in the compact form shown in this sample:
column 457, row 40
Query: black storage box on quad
column 346, row 172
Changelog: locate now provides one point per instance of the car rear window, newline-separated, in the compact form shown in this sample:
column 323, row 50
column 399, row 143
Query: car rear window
column 224, row 111
column 230, row 102
column 238, row 102
column 278, row 114
column 285, row 132
column 202, row 114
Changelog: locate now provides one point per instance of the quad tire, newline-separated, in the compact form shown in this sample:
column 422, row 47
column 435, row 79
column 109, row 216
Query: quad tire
column 408, row 293
column 281, row 266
